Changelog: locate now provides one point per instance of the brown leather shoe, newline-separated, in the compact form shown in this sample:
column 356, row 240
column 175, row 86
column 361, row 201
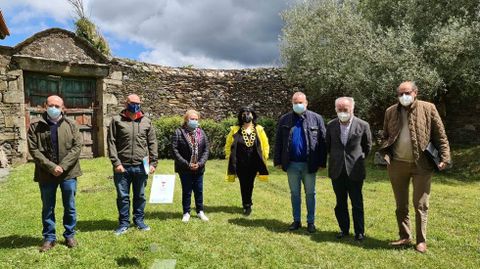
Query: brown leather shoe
column 46, row 246
column 401, row 242
column 421, row 247
column 71, row 242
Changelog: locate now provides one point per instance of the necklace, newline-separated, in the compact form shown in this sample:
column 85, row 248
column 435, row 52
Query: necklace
column 248, row 138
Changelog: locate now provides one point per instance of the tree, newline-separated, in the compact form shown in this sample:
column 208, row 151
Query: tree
column 87, row 29
column 365, row 48
column 333, row 50
column 447, row 31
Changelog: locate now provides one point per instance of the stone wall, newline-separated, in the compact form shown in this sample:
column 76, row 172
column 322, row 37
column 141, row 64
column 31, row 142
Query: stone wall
column 12, row 121
column 215, row 93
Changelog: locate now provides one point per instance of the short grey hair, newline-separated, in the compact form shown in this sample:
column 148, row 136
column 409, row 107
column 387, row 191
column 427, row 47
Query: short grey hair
column 412, row 83
column 349, row 99
column 297, row 94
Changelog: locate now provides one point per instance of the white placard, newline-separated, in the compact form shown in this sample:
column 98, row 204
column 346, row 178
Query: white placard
column 162, row 189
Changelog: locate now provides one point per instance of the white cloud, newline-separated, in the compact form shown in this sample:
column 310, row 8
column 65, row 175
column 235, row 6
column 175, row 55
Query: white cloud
column 207, row 33
column 167, row 56
column 59, row 10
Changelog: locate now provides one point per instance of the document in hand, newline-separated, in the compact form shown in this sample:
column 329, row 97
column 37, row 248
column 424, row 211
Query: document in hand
column 146, row 165
column 162, row 189
column 432, row 155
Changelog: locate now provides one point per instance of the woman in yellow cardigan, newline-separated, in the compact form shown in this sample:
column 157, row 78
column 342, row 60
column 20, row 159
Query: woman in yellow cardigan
column 246, row 150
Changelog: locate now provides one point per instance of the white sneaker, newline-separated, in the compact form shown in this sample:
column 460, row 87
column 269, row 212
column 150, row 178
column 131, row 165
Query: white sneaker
column 202, row 216
column 186, row 217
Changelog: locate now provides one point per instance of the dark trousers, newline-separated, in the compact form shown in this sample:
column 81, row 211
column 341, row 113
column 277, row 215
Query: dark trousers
column 343, row 187
column 136, row 177
column 192, row 182
column 247, row 180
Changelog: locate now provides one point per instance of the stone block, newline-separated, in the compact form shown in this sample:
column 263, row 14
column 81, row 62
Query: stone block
column 110, row 99
column 13, row 95
column 11, row 121
column 12, row 86
column 112, row 81
column 9, row 136
column 3, row 86
column 117, row 75
column 15, row 73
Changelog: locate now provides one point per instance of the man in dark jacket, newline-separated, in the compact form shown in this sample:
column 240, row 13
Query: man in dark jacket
column 133, row 151
column 349, row 141
column 300, row 151
column 55, row 143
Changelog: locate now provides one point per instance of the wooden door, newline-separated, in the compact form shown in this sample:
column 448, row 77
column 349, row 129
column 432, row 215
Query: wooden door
column 78, row 95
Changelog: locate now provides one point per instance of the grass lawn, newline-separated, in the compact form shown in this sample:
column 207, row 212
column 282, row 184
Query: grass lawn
column 230, row 240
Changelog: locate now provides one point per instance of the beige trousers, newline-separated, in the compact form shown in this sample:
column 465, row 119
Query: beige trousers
column 400, row 174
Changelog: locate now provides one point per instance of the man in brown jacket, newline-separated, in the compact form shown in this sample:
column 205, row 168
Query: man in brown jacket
column 408, row 128
column 131, row 142
column 55, row 143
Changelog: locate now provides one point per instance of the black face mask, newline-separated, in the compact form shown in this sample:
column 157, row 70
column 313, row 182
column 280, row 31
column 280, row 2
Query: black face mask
column 247, row 118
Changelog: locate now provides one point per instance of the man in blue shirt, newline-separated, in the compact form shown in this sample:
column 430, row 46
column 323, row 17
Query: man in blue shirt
column 300, row 150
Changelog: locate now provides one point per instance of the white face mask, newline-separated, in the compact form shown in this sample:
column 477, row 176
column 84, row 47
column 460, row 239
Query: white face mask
column 343, row 116
column 405, row 100
column 299, row 108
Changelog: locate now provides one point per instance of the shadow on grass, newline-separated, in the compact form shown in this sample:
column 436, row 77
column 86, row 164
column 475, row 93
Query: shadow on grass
column 224, row 209
column 19, row 241
column 163, row 215
column 368, row 243
column 269, row 224
column 127, row 262
column 320, row 236
column 96, row 225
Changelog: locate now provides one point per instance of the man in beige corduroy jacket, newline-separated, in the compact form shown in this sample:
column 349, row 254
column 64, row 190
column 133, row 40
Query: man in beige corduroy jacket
column 408, row 127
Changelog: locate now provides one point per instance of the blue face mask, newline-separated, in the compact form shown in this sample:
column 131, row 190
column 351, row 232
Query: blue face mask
column 299, row 108
column 53, row 112
column 192, row 124
column 133, row 107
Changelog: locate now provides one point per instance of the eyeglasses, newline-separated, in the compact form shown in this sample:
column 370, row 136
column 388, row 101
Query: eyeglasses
column 402, row 93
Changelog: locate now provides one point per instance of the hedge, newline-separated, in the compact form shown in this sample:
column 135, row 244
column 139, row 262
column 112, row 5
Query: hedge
column 215, row 130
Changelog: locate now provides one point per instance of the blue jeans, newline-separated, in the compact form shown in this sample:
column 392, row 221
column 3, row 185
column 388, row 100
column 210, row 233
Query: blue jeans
column 136, row 177
column 48, row 193
column 192, row 182
column 297, row 173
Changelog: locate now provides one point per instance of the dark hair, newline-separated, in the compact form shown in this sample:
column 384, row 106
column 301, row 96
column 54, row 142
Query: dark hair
column 246, row 109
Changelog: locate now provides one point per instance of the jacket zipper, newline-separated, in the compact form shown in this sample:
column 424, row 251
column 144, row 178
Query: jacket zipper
column 133, row 140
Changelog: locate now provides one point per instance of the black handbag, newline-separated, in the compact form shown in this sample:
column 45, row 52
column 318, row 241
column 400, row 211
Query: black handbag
column 432, row 155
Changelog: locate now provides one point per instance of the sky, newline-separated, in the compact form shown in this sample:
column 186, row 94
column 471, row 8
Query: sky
column 219, row 34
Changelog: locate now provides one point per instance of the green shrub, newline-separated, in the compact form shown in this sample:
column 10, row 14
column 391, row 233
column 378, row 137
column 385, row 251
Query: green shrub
column 270, row 126
column 165, row 127
column 216, row 132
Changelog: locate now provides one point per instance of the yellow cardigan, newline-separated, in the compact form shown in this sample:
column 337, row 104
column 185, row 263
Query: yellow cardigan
column 263, row 143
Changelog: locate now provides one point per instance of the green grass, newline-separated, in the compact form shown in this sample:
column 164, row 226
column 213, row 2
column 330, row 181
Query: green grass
column 230, row 240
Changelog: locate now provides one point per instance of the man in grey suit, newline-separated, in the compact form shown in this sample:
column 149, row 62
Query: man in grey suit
column 349, row 141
